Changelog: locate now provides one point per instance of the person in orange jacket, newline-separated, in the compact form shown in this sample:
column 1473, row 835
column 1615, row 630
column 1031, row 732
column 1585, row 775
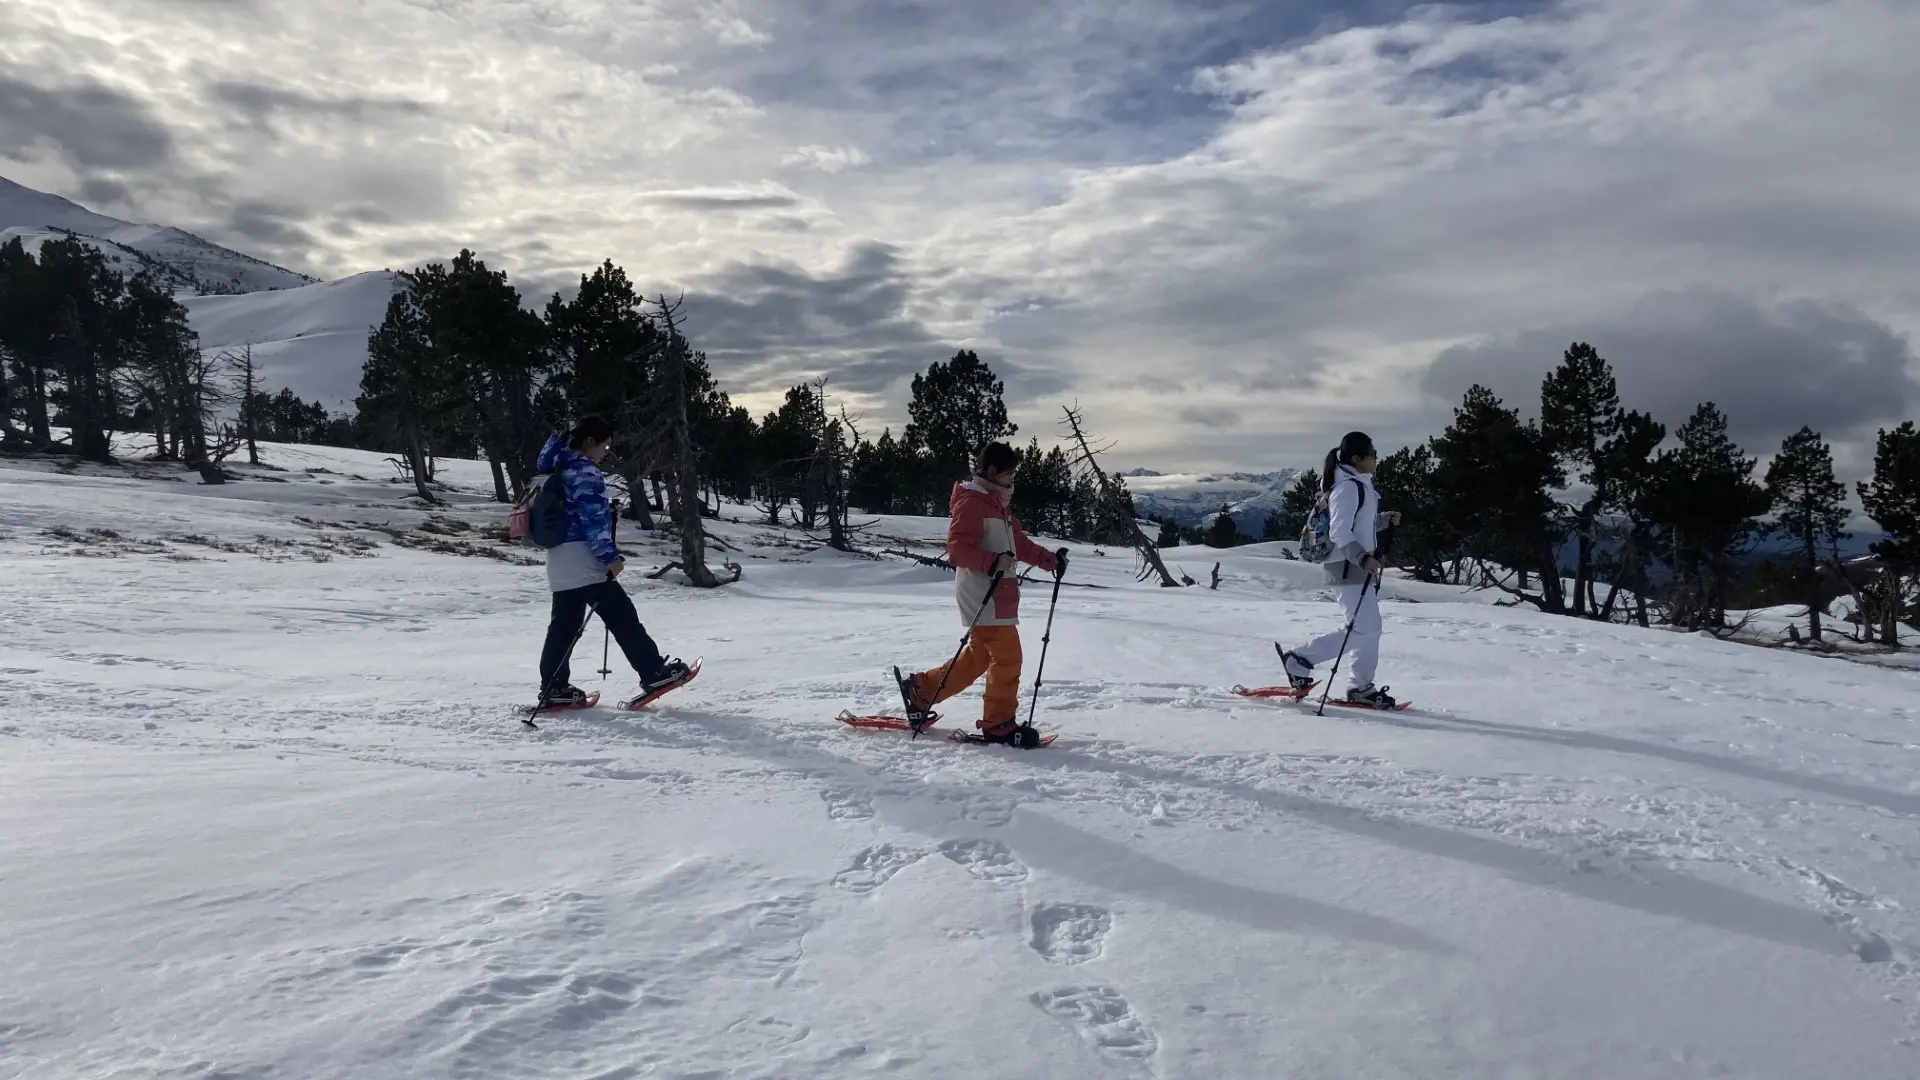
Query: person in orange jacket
column 984, row 543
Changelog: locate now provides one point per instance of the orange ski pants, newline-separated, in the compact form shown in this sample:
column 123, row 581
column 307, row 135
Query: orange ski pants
column 993, row 651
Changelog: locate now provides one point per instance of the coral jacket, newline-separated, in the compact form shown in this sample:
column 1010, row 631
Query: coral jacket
column 980, row 528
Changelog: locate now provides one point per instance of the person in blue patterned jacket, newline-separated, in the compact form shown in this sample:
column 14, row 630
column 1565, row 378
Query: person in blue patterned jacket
column 582, row 571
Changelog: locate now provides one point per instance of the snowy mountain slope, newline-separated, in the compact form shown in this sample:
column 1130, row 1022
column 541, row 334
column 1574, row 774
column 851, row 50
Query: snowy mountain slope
column 268, row 812
column 190, row 264
column 311, row 339
column 1196, row 498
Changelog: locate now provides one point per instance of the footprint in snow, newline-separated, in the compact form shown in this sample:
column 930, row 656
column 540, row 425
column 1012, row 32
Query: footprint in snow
column 988, row 860
column 1070, row 933
column 1101, row 1017
column 874, row 866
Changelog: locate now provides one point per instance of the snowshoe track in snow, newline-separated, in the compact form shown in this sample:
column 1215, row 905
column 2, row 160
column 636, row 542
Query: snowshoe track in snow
column 1070, row 933
column 1103, row 1019
column 988, row 860
column 872, row 867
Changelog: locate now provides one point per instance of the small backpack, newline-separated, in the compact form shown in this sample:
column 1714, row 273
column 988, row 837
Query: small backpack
column 540, row 517
column 1316, row 539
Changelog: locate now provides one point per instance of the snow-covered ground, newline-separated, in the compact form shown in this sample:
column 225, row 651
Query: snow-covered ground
column 266, row 810
column 311, row 340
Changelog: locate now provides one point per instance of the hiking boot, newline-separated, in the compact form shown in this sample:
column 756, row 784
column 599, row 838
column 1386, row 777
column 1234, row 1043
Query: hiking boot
column 1372, row 696
column 675, row 671
column 1299, row 672
column 1011, row 733
column 571, row 695
column 919, row 715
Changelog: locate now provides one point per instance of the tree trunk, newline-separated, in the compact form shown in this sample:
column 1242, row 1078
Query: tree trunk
column 417, row 461
column 250, row 407
column 1583, row 571
column 84, row 397
column 637, row 508
column 1890, row 613
column 500, row 493
column 1813, row 587
column 39, row 422
column 686, row 475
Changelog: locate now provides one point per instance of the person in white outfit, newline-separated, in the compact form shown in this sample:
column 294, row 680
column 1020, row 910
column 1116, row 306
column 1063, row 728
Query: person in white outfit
column 1353, row 568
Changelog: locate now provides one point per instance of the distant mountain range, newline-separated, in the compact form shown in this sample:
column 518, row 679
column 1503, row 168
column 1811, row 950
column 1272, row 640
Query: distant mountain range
column 1195, row 499
column 307, row 335
column 184, row 261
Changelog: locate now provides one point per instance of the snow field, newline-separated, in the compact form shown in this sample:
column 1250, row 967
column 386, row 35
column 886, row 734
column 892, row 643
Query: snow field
column 266, row 811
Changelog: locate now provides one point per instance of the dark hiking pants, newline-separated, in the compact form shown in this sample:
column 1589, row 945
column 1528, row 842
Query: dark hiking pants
column 615, row 608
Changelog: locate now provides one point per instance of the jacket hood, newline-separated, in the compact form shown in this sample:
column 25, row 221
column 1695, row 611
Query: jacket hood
column 964, row 490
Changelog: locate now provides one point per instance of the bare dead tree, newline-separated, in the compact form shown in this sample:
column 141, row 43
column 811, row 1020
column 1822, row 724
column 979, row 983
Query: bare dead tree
column 243, row 368
column 677, row 435
column 1115, row 507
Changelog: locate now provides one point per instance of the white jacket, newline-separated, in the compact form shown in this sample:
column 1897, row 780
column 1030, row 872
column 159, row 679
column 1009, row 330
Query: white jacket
column 1353, row 508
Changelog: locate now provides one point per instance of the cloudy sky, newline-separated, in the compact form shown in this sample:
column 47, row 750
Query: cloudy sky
column 1229, row 229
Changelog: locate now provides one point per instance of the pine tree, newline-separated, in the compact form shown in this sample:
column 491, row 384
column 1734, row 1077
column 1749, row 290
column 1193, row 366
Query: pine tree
column 605, row 352
column 1707, row 505
column 1494, row 478
column 473, row 318
column 1296, row 505
column 1169, row 535
column 405, row 387
column 1223, row 533
column 27, row 339
column 1809, row 506
column 789, row 438
column 1579, row 417
column 1273, row 526
column 1892, row 500
column 956, row 410
column 83, row 297
column 1421, row 542
column 161, row 357
column 1633, row 473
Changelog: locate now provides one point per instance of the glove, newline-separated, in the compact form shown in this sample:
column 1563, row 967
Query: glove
column 1060, row 563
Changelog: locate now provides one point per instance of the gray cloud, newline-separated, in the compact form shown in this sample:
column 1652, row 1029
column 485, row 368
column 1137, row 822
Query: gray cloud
column 723, row 200
column 1211, row 416
column 1769, row 368
column 94, row 125
column 101, row 191
column 261, row 103
column 278, row 226
column 772, row 326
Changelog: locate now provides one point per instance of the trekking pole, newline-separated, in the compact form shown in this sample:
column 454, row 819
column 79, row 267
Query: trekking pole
column 613, row 533
column 1343, row 645
column 1045, row 638
column 964, row 638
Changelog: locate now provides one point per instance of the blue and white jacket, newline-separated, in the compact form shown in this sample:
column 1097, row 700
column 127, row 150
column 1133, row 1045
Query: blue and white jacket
column 589, row 548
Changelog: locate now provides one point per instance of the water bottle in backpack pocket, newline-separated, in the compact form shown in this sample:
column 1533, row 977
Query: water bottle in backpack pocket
column 540, row 517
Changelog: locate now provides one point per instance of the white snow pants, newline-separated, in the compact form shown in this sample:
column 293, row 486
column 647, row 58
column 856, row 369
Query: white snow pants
column 1363, row 647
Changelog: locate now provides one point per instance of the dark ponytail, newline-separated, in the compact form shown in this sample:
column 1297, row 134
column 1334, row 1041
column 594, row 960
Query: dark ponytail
column 1353, row 446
